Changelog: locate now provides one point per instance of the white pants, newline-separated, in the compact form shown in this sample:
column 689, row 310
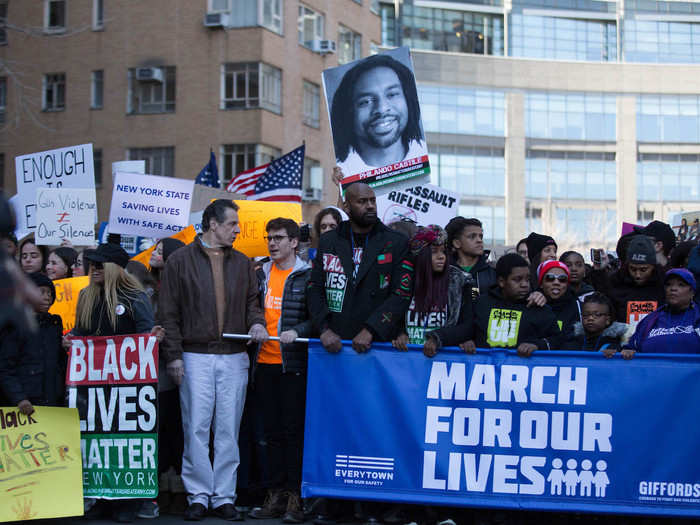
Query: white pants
column 212, row 396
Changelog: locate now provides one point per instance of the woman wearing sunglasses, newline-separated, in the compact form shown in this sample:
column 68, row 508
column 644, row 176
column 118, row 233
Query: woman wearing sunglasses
column 114, row 303
column 553, row 278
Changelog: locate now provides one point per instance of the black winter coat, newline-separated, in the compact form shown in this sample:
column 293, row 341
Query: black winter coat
column 484, row 275
column 630, row 301
column 295, row 315
column 503, row 324
column 376, row 299
column 34, row 368
column 134, row 316
column 612, row 337
column 567, row 311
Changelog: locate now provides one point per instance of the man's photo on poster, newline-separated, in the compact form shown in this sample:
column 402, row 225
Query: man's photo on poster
column 375, row 119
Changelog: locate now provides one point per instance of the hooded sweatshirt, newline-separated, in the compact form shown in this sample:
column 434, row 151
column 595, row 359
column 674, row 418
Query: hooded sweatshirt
column 632, row 303
column 667, row 332
column 612, row 337
column 500, row 323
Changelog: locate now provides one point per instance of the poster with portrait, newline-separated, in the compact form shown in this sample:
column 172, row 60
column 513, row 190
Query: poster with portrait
column 375, row 120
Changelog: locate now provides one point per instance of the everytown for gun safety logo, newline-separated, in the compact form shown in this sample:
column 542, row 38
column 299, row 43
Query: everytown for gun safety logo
column 364, row 470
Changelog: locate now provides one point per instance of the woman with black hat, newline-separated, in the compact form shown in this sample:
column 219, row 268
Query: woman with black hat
column 114, row 303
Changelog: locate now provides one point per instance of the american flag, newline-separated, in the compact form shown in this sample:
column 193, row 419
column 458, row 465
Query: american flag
column 279, row 180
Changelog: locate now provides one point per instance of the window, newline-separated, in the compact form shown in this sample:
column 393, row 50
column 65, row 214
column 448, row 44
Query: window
column 312, row 103
column 97, row 89
column 3, row 98
column 349, row 45
column 98, row 14
column 218, row 6
column 97, row 163
column 271, row 15
column 388, row 15
column 3, row 22
column 464, row 169
column 55, row 15
column 236, row 158
column 311, row 26
column 151, row 90
column 570, row 116
column 437, row 29
column 644, row 217
column 462, row 110
column 159, row 161
column 54, row 92
column 668, row 177
column 589, row 175
column 309, row 180
column 374, row 6
column 251, row 85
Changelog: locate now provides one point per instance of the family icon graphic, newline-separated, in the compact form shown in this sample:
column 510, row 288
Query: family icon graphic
column 572, row 479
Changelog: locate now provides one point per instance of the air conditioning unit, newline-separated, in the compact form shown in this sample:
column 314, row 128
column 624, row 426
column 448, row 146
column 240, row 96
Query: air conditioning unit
column 312, row 194
column 149, row 74
column 323, row 46
column 216, row 20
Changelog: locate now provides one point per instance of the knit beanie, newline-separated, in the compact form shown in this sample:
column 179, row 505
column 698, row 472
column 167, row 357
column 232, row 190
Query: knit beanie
column 169, row 246
column 39, row 279
column 537, row 242
column 641, row 250
column 543, row 268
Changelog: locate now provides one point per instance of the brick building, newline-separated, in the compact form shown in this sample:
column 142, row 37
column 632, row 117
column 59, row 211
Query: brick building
column 166, row 80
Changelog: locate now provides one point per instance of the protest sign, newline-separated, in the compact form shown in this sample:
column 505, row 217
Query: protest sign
column 70, row 167
column 375, row 120
column 148, row 205
column 67, row 293
column 422, row 204
column 114, row 383
column 65, row 214
column 253, row 216
column 558, row 431
column 40, row 473
column 187, row 236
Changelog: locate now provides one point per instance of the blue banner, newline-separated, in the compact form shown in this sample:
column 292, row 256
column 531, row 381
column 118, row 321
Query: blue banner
column 565, row 431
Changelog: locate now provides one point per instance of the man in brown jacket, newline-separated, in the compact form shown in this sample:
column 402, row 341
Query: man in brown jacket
column 209, row 288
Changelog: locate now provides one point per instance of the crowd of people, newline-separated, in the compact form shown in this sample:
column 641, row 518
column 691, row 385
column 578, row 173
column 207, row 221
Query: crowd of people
column 231, row 411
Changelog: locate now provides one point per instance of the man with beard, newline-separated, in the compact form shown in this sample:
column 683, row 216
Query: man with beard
column 361, row 281
column 376, row 116
column 360, row 287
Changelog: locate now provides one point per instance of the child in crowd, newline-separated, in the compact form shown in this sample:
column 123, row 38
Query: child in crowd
column 34, row 373
column 598, row 330
column 577, row 274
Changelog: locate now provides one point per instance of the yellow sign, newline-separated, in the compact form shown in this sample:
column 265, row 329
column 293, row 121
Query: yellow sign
column 40, row 464
column 67, row 292
column 186, row 235
column 253, row 216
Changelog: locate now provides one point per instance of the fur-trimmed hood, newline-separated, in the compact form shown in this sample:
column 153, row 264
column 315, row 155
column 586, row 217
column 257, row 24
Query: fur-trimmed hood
column 616, row 330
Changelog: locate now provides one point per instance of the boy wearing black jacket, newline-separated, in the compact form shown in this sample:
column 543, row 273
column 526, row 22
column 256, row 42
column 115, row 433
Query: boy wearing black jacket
column 33, row 372
column 504, row 320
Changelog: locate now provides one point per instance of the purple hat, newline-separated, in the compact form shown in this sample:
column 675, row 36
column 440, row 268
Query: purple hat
column 683, row 274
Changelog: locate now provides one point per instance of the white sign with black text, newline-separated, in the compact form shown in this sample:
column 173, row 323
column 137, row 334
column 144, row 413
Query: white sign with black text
column 70, row 167
column 423, row 204
column 65, row 214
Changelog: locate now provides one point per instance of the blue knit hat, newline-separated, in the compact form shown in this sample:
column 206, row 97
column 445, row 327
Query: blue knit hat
column 683, row 274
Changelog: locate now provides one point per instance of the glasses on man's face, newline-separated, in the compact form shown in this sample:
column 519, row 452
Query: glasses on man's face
column 275, row 238
column 551, row 278
column 593, row 315
column 97, row 265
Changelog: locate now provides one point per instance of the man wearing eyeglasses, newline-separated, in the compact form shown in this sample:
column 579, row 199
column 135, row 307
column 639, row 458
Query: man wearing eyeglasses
column 279, row 377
